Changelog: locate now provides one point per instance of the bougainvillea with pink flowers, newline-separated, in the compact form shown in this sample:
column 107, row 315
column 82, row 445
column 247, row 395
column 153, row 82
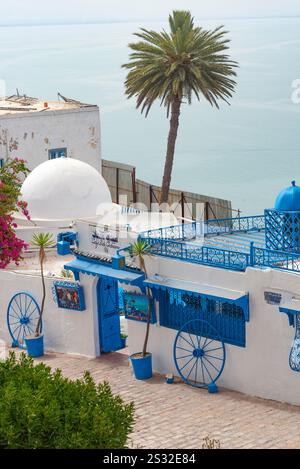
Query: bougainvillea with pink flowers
column 11, row 176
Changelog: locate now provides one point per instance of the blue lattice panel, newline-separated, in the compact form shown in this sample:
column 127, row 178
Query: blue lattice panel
column 177, row 309
column 282, row 230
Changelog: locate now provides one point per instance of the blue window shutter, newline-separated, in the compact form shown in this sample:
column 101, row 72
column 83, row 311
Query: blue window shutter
column 57, row 153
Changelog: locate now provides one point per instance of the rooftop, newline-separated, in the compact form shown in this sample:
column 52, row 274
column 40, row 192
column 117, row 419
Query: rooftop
column 231, row 243
column 18, row 104
column 239, row 242
column 30, row 264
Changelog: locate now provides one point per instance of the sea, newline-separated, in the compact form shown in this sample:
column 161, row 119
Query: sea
column 246, row 152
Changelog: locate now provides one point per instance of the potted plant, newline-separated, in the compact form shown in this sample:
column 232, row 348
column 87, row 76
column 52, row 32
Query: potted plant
column 142, row 361
column 35, row 343
column 123, row 340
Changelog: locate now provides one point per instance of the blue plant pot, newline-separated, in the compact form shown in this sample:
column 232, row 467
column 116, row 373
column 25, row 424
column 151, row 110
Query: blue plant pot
column 212, row 388
column 123, row 342
column 142, row 366
column 169, row 379
column 35, row 346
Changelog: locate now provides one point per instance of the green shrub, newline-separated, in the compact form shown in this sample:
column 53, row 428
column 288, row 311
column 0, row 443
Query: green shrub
column 42, row 409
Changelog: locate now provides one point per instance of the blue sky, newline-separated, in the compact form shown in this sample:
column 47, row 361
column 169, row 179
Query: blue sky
column 41, row 11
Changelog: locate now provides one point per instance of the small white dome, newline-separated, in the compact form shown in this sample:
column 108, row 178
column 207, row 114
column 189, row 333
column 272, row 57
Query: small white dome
column 64, row 189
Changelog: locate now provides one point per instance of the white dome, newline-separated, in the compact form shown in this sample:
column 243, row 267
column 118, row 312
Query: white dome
column 64, row 189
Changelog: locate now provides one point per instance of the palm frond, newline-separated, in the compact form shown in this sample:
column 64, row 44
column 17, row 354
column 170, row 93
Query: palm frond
column 42, row 240
column 187, row 61
column 140, row 248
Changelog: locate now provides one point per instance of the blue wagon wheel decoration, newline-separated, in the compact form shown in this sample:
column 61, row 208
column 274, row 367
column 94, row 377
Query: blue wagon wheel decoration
column 199, row 354
column 23, row 314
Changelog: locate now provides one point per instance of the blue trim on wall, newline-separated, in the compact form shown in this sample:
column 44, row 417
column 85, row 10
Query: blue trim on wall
column 97, row 269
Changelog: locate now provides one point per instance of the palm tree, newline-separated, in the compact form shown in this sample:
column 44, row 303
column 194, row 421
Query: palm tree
column 42, row 241
column 141, row 249
column 172, row 67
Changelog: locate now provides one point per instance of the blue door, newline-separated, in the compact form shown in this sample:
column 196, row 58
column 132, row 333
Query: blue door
column 108, row 314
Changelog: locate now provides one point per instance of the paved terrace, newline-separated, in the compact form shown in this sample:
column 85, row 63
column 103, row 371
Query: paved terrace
column 233, row 241
column 179, row 416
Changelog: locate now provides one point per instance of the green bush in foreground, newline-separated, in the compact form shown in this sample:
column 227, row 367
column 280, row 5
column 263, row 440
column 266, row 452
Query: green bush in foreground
column 42, row 409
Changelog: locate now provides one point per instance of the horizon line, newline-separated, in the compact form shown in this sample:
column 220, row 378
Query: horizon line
column 156, row 20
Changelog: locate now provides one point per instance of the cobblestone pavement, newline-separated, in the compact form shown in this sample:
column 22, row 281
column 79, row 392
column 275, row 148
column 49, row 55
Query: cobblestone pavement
column 179, row 416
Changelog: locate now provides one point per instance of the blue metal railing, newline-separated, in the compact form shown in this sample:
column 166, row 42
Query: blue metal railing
column 225, row 258
column 188, row 231
column 284, row 260
column 234, row 225
column 167, row 242
column 209, row 255
column 183, row 231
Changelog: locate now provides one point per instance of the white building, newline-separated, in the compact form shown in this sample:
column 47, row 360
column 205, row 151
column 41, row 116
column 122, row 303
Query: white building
column 225, row 295
column 37, row 130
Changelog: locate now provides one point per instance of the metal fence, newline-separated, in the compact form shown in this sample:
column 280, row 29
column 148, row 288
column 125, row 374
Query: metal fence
column 122, row 181
column 209, row 255
column 183, row 232
column 276, row 259
column 224, row 258
column 170, row 242
column 188, row 231
column 234, row 225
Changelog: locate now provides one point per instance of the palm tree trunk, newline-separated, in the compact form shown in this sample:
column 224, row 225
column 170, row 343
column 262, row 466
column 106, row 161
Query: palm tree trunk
column 148, row 322
column 38, row 326
column 174, row 123
column 143, row 267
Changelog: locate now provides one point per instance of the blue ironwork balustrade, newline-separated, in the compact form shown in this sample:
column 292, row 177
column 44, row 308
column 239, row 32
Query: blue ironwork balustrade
column 217, row 257
column 276, row 259
column 234, row 225
column 168, row 242
column 183, row 231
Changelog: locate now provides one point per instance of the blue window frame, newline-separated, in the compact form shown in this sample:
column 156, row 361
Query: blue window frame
column 57, row 153
column 1, row 162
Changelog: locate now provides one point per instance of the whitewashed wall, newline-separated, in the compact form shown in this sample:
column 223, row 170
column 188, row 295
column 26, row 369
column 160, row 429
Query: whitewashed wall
column 262, row 368
column 64, row 330
column 26, row 233
column 117, row 238
column 31, row 135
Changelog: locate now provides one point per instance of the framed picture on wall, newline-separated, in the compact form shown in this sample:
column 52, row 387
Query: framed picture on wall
column 136, row 307
column 69, row 296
